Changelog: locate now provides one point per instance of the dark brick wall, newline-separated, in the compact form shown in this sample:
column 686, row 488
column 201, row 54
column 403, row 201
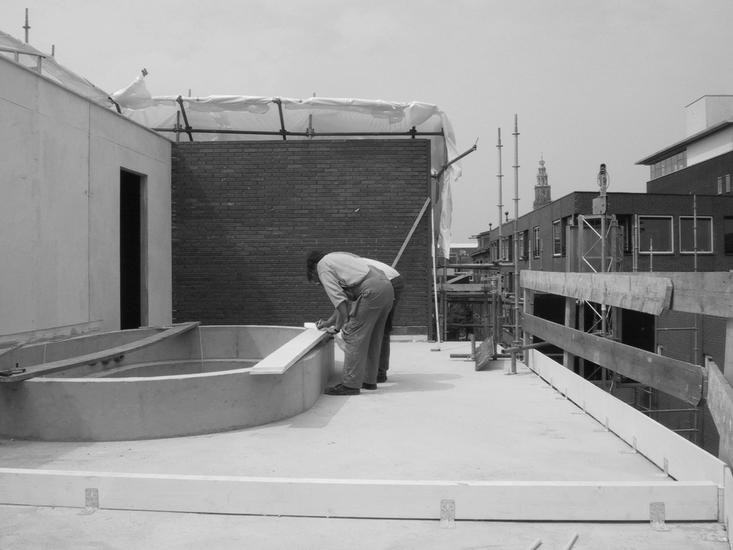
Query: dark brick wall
column 246, row 214
column 699, row 178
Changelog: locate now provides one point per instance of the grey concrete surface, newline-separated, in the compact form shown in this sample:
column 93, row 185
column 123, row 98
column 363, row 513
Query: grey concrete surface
column 435, row 419
column 30, row 528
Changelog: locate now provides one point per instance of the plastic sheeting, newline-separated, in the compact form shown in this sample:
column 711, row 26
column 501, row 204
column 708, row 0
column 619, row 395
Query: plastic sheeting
column 312, row 118
column 34, row 59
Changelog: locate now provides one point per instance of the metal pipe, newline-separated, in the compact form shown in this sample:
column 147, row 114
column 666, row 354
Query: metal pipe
column 27, row 27
column 459, row 157
column 603, row 183
column 279, row 104
column 500, row 205
column 516, row 341
column 695, row 349
column 299, row 134
column 179, row 100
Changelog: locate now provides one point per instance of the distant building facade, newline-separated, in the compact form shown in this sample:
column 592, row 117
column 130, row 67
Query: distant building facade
column 683, row 222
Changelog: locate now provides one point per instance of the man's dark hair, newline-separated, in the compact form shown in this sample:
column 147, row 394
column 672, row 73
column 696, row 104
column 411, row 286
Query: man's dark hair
column 314, row 256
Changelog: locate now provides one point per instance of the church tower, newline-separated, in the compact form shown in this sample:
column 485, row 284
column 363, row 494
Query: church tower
column 542, row 189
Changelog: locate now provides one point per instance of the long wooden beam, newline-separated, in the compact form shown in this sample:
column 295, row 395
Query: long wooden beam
column 363, row 498
column 677, row 378
column 467, row 287
column 42, row 369
column 625, row 290
column 708, row 293
column 284, row 357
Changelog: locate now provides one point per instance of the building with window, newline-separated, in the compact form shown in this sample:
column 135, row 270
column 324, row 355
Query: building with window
column 682, row 223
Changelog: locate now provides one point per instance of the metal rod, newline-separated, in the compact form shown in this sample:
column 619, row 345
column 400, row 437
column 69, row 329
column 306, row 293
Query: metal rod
column 695, row 350
column 603, row 183
column 279, row 104
column 435, row 275
column 179, row 100
column 474, row 266
column 499, row 176
column 459, row 157
column 27, row 27
column 516, row 341
column 300, row 134
column 412, row 230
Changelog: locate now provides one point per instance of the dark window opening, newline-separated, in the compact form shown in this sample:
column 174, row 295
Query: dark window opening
column 728, row 234
column 130, row 250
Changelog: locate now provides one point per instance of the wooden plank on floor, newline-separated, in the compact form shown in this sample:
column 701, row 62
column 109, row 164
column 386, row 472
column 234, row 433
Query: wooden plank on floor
column 361, row 498
column 485, row 354
column 669, row 451
column 102, row 355
column 284, row 357
column 629, row 291
column 677, row 378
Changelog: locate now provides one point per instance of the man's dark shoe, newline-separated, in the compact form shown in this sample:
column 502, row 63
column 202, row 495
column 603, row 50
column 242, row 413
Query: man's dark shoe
column 340, row 389
column 368, row 386
column 381, row 377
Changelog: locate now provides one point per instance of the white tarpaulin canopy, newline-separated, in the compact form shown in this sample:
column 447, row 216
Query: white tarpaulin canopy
column 224, row 118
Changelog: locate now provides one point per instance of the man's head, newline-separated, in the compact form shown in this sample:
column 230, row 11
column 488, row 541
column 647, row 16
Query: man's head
column 314, row 256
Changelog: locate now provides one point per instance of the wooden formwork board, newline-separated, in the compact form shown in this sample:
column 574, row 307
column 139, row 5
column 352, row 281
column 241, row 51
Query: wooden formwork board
column 359, row 498
column 109, row 354
column 672, row 376
column 682, row 459
column 624, row 290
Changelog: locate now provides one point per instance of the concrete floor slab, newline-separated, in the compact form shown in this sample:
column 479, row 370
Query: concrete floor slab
column 435, row 419
column 31, row 528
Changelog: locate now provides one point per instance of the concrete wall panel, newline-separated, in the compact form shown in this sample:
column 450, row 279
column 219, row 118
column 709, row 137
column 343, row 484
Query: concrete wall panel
column 59, row 214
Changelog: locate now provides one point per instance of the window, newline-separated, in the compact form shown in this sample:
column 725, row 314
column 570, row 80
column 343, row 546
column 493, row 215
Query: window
column 728, row 234
column 625, row 224
column 504, row 249
column 704, row 234
column 537, row 242
column 494, row 251
column 720, row 185
column 523, row 245
column 727, row 183
column 557, row 238
column 655, row 234
column 668, row 165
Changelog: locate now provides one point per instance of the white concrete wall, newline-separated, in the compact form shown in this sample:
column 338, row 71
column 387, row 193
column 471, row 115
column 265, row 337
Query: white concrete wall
column 59, row 207
column 708, row 111
column 710, row 147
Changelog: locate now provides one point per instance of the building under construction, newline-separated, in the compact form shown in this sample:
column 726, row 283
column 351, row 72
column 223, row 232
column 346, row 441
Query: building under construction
column 134, row 378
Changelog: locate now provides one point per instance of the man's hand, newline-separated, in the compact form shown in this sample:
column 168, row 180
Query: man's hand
column 323, row 325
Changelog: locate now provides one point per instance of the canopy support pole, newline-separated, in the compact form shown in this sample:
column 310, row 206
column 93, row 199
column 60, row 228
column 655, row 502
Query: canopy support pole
column 412, row 230
column 283, row 131
column 179, row 99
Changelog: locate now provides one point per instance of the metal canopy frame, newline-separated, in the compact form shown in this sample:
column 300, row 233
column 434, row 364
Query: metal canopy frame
column 284, row 132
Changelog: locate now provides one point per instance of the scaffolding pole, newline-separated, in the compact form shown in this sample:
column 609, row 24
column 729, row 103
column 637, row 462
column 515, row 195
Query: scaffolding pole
column 516, row 343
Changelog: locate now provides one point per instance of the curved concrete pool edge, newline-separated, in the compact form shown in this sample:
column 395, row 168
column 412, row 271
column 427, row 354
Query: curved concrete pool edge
column 98, row 408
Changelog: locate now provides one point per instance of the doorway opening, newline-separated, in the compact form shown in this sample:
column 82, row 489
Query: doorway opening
column 133, row 310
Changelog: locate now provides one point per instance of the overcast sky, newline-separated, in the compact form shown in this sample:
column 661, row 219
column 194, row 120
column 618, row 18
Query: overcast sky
column 591, row 80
